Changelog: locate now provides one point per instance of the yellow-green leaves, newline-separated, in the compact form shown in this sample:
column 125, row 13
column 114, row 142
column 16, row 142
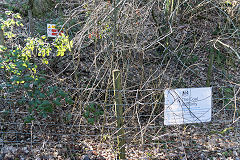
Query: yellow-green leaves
column 20, row 64
column 2, row 48
column 8, row 13
column 44, row 37
column 63, row 44
column 11, row 21
column 41, row 48
column 37, row 47
column 34, row 70
column 18, row 23
column 25, row 65
column 228, row 3
column 17, row 15
column 9, row 35
column 45, row 61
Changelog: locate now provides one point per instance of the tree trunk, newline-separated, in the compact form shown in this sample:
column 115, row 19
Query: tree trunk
column 40, row 7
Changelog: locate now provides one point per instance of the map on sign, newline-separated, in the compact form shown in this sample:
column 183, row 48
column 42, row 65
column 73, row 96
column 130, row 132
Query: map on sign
column 52, row 30
column 187, row 105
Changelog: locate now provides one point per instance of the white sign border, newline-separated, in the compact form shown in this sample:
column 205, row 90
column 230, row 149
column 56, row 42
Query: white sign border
column 169, row 115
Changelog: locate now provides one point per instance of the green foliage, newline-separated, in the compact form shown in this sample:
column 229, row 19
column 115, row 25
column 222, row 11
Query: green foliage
column 93, row 112
column 228, row 94
column 21, row 71
column 191, row 59
column 223, row 132
column 62, row 44
column 217, row 31
column 226, row 130
column 188, row 59
column 9, row 21
column 221, row 59
column 18, row 6
column 228, row 3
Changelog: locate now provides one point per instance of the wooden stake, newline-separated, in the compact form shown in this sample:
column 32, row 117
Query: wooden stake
column 209, row 74
column 31, row 27
column 2, row 37
column 119, row 113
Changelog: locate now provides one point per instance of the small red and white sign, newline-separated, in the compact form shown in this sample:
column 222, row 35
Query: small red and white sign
column 52, row 31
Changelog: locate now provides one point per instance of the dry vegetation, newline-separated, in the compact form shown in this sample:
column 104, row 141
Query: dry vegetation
column 155, row 47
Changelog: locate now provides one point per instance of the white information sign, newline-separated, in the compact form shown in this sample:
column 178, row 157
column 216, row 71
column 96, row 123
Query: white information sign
column 52, row 31
column 187, row 105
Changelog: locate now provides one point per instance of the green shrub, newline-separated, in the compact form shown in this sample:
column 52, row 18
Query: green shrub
column 93, row 112
column 20, row 65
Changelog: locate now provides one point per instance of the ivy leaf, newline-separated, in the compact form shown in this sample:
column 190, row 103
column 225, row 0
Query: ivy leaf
column 42, row 79
column 30, row 109
column 48, row 108
column 41, row 95
column 90, row 120
column 46, row 103
column 28, row 78
column 62, row 94
column 57, row 102
column 31, row 103
column 68, row 117
column 69, row 100
column 101, row 112
column 50, row 91
column 92, row 107
column 26, row 85
column 28, row 119
column 86, row 114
